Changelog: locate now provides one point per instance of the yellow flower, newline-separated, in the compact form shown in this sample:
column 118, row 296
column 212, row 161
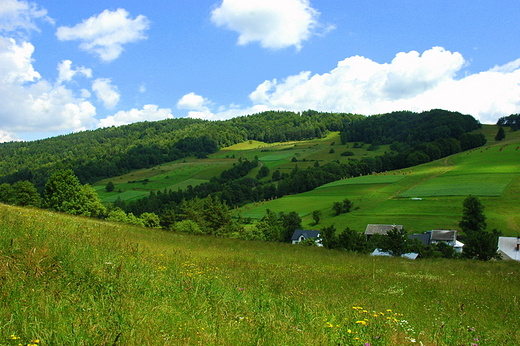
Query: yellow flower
column 364, row 323
column 357, row 308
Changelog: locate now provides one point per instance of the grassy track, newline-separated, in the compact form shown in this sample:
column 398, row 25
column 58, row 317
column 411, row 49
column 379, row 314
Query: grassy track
column 75, row 281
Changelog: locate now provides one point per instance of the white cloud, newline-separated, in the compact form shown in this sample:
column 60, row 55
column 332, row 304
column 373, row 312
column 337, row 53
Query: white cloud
column 8, row 137
column 32, row 104
column 412, row 81
column 66, row 73
column 106, row 33
column 275, row 24
column 16, row 15
column 148, row 113
column 197, row 105
column 106, row 92
column 192, row 101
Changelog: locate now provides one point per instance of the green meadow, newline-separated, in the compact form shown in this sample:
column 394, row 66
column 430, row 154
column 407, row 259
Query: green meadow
column 76, row 281
column 421, row 198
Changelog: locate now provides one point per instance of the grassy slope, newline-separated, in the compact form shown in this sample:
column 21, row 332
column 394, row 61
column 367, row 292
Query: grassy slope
column 491, row 172
column 76, row 281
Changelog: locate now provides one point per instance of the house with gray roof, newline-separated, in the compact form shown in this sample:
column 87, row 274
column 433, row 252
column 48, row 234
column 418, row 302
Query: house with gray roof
column 300, row 234
column 380, row 229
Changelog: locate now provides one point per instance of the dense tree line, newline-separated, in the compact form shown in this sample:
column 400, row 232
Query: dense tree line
column 409, row 127
column 109, row 152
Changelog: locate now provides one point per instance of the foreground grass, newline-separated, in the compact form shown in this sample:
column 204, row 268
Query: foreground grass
column 74, row 281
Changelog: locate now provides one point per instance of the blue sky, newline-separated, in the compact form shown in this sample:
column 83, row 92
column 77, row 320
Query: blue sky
column 68, row 66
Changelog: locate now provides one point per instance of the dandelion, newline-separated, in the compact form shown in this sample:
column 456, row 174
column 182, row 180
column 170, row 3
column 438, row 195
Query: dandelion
column 363, row 323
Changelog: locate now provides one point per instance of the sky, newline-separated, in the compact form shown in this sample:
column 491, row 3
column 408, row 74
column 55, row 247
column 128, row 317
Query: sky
column 68, row 66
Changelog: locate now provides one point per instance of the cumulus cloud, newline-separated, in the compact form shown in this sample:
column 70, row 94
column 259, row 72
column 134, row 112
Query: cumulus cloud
column 106, row 33
column 106, row 92
column 197, row 105
column 8, row 137
column 66, row 73
column 32, row 104
column 412, row 81
column 16, row 15
column 274, row 24
column 148, row 113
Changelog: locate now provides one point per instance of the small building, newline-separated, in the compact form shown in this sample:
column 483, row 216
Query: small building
column 509, row 248
column 439, row 236
column 380, row 229
column 300, row 234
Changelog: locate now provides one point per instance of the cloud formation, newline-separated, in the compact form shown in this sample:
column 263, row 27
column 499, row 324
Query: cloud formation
column 66, row 73
column 32, row 104
column 148, row 113
column 274, row 24
column 16, row 15
column 106, row 92
column 105, row 34
column 411, row 81
column 198, row 106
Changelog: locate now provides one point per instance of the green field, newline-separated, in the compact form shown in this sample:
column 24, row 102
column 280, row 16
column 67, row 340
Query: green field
column 77, row 281
column 491, row 172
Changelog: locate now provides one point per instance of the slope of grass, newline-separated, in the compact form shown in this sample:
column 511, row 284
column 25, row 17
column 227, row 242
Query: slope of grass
column 491, row 172
column 76, row 281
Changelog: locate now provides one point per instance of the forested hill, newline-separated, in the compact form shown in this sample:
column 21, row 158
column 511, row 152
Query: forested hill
column 107, row 152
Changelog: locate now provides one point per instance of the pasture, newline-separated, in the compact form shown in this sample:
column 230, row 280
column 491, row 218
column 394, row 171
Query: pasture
column 490, row 172
column 77, row 281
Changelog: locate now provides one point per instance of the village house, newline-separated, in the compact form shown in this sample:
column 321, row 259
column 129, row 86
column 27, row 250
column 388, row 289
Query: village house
column 300, row 235
column 380, row 229
column 509, row 248
column 439, row 236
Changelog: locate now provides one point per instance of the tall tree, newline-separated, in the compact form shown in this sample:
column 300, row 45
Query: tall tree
column 63, row 192
column 480, row 244
column 473, row 218
column 24, row 193
column 501, row 134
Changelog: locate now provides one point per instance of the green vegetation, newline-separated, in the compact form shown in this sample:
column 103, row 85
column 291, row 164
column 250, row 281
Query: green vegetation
column 70, row 280
column 489, row 172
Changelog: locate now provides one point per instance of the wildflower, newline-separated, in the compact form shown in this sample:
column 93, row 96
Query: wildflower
column 357, row 308
column 364, row 323
column 14, row 337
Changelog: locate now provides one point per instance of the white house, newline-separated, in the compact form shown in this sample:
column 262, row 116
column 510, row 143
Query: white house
column 299, row 235
column 509, row 248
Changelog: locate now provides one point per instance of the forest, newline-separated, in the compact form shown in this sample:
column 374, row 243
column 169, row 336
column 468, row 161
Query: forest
column 108, row 152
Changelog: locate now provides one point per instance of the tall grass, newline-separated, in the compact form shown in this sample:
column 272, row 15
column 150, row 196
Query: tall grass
column 75, row 281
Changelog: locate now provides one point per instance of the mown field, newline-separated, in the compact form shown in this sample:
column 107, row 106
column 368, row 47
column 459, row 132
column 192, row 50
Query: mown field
column 75, row 281
column 421, row 198
column 490, row 172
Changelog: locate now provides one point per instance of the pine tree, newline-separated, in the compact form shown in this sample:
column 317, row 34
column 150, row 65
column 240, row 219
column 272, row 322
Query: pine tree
column 501, row 134
column 480, row 244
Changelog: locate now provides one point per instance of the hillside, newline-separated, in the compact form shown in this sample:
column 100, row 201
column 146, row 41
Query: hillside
column 442, row 185
column 72, row 281
column 490, row 172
